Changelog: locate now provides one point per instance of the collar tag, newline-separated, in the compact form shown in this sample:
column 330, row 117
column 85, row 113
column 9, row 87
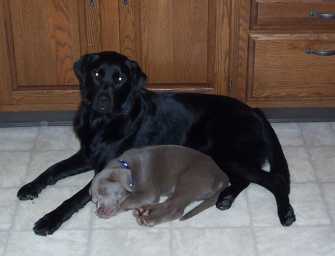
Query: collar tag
column 124, row 164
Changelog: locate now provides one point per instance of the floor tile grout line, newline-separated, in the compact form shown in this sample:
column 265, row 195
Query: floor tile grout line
column 11, row 229
column 307, row 148
column 319, row 185
column 171, row 251
column 89, row 235
column 251, row 224
column 332, row 221
column 6, row 232
column 30, row 159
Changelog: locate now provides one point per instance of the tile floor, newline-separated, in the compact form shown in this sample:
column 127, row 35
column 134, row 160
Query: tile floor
column 250, row 228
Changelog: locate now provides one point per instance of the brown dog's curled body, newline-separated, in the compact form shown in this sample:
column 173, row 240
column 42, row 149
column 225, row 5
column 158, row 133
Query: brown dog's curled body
column 138, row 178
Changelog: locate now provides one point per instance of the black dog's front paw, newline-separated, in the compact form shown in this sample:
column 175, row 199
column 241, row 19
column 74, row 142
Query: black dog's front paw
column 287, row 216
column 28, row 192
column 47, row 224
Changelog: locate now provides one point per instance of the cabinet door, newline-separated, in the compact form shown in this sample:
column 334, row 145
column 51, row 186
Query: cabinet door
column 39, row 42
column 180, row 44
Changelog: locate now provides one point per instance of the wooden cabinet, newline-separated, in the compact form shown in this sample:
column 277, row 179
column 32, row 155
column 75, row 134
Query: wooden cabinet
column 285, row 53
column 268, row 53
column 181, row 45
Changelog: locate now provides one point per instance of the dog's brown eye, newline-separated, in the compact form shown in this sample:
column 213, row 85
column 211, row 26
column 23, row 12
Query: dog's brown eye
column 97, row 74
column 120, row 78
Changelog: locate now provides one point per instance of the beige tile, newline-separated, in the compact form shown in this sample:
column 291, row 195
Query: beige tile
column 316, row 134
column 309, row 206
column 143, row 242
column 199, row 242
column 289, row 134
column 237, row 216
column 14, row 167
column 3, row 241
column 329, row 193
column 323, row 159
column 56, row 138
column 30, row 211
column 305, row 198
column 263, row 206
column 303, row 241
column 17, row 138
column 7, row 207
column 43, row 160
column 301, row 169
column 65, row 243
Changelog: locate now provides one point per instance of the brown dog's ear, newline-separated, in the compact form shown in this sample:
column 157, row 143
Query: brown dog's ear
column 138, row 77
column 80, row 66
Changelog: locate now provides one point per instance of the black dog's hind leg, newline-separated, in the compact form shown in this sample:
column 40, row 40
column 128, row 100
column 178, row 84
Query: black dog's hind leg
column 274, row 183
column 227, row 196
column 53, row 220
column 74, row 165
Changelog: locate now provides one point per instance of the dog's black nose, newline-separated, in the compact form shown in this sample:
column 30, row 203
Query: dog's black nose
column 103, row 103
column 103, row 99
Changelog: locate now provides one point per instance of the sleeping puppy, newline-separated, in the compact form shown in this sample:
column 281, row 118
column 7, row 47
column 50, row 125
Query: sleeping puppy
column 139, row 177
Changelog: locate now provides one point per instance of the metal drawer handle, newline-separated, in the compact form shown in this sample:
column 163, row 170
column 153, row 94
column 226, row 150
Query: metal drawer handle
column 322, row 15
column 320, row 53
column 93, row 3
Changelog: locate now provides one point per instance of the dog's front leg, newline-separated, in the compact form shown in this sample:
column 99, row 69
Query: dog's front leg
column 53, row 220
column 74, row 165
column 139, row 199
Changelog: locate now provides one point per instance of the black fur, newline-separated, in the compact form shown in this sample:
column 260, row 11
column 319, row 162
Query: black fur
column 117, row 113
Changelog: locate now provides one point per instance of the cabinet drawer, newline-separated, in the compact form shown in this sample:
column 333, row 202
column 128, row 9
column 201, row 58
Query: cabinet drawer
column 294, row 13
column 292, row 66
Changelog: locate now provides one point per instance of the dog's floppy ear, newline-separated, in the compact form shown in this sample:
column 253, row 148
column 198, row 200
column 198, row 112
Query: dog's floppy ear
column 138, row 77
column 80, row 66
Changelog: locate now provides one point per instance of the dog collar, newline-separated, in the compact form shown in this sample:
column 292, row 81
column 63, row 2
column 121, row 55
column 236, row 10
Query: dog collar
column 124, row 164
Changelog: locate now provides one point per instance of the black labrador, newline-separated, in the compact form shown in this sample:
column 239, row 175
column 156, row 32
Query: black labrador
column 117, row 113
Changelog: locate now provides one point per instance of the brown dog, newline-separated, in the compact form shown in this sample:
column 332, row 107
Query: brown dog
column 139, row 177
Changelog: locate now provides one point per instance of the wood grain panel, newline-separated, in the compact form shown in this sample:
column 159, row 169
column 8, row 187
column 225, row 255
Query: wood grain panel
column 219, row 46
column 174, row 40
column 45, row 40
column 93, row 26
column 283, row 69
column 5, row 73
column 240, row 50
column 110, row 24
column 130, row 30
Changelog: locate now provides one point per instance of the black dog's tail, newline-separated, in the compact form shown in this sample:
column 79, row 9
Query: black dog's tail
column 277, row 159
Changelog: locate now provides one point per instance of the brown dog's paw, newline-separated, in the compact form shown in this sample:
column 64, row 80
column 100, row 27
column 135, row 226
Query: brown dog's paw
column 144, row 216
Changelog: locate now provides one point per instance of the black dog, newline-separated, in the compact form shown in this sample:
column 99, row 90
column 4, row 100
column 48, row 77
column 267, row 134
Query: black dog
column 117, row 113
